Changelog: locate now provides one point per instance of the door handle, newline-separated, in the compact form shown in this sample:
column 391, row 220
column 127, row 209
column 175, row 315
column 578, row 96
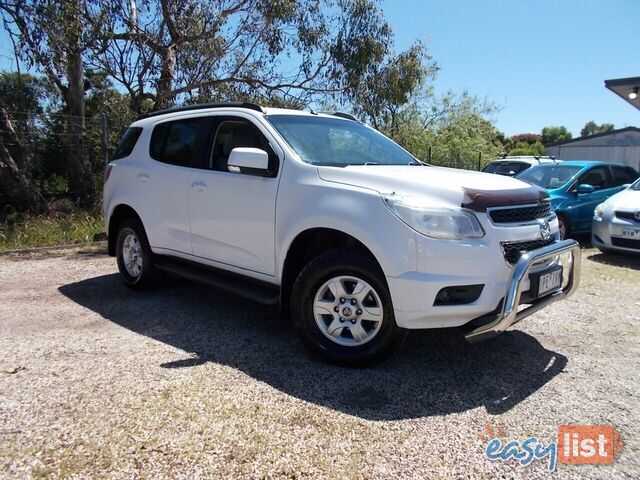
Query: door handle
column 199, row 186
column 143, row 177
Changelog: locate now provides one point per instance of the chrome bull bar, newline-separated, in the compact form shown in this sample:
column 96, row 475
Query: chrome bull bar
column 510, row 315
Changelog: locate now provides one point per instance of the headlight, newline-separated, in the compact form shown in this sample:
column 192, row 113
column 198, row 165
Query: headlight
column 434, row 221
column 599, row 211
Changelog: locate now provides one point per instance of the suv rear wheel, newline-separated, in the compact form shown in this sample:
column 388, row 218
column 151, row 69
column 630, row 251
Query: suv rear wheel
column 342, row 309
column 135, row 259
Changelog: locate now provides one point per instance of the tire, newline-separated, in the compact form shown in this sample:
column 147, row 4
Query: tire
column 564, row 226
column 353, row 336
column 136, row 267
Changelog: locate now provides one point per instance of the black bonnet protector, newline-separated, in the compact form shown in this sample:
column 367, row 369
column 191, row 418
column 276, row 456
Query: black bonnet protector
column 480, row 200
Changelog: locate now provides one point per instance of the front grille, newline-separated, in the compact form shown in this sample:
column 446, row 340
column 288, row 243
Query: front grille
column 520, row 214
column 631, row 216
column 514, row 250
column 625, row 243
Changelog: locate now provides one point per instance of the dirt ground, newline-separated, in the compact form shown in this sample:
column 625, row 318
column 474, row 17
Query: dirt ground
column 186, row 382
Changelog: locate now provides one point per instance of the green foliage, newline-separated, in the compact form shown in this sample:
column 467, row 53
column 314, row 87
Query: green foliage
column 521, row 148
column 592, row 128
column 554, row 135
column 453, row 128
column 36, row 231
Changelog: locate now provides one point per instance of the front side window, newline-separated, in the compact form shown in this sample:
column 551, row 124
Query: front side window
column 549, row 176
column 338, row 142
column 237, row 132
column 175, row 142
column 596, row 177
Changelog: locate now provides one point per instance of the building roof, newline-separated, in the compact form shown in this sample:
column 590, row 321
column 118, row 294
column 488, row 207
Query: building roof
column 596, row 135
column 625, row 86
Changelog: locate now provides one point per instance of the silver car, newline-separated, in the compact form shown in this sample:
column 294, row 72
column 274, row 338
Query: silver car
column 616, row 222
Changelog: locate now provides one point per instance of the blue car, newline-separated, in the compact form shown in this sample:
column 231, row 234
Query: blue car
column 577, row 187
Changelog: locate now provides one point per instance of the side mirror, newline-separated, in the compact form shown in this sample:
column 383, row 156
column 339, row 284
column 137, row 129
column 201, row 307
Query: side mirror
column 251, row 161
column 585, row 188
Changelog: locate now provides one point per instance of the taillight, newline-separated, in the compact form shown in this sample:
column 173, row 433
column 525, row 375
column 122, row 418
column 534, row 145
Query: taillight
column 107, row 172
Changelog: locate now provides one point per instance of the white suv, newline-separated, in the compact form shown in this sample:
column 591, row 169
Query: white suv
column 356, row 240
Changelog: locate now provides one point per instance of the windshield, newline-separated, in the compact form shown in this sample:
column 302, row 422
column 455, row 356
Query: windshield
column 549, row 176
column 337, row 142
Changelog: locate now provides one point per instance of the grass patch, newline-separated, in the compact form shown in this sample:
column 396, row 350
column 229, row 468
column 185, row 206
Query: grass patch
column 42, row 230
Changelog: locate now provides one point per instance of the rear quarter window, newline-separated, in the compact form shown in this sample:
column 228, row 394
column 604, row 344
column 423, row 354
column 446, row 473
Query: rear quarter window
column 127, row 143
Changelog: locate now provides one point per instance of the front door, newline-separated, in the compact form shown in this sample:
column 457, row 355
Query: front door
column 233, row 214
column 584, row 204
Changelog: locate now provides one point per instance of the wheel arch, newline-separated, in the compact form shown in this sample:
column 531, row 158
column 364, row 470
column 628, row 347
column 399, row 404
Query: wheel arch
column 307, row 245
column 119, row 214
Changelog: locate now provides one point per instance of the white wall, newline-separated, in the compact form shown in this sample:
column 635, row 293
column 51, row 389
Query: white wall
column 622, row 148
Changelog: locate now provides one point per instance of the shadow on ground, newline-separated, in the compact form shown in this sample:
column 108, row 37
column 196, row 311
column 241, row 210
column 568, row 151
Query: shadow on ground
column 436, row 374
column 614, row 259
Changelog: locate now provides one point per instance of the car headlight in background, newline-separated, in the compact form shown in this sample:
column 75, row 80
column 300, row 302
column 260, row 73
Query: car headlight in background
column 599, row 211
column 436, row 222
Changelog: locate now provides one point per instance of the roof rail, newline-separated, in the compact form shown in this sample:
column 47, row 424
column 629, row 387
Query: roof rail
column 342, row 115
column 201, row 106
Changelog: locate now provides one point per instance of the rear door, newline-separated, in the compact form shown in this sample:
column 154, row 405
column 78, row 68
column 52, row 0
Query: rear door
column 174, row 149
column 233, row 214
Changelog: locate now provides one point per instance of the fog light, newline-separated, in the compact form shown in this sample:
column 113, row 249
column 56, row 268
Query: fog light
column 458, row 295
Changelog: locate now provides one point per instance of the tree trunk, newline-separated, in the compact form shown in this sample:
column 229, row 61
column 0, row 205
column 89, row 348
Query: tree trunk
column 164, row 98
column 80, row 177
column 16, row 188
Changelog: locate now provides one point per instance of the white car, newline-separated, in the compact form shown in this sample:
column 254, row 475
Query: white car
column 616, row 222
column 514, row 165
column 353, row 238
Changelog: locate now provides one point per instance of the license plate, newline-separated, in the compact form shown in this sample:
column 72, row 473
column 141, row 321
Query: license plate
column 549, row 281
column 546, row 281
column 631, row 232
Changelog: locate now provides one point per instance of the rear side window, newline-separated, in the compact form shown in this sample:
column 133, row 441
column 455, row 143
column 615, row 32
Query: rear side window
column 623, row 176
column 127, row 143
column 176, row 142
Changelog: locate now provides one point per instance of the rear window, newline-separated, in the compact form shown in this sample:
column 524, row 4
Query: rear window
column 127, row 143
column 506, row 168
column 175, row 142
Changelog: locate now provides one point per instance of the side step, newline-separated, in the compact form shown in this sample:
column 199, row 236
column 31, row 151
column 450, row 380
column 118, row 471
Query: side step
column 249, row 288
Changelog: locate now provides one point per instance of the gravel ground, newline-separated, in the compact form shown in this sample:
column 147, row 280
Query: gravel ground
column 185, row 382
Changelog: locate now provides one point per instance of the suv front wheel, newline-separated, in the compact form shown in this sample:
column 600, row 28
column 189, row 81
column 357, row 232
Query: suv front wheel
column 342, row 309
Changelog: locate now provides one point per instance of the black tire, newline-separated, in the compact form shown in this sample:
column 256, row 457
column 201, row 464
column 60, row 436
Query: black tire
column 564, row 226
column 334, row 263
column 147, row 276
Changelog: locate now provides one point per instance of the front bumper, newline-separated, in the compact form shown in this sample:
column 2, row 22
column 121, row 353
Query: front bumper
column 509, row 314
column 605, row 229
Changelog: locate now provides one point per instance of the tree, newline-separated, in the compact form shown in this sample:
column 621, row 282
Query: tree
column 554, row 135
column 592, row 128
column 535, row 149
column 171, row 51
column 52, row 37
column 453, row 128
column 16, row 188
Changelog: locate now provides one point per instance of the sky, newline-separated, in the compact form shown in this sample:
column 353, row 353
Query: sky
column 543, row 62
